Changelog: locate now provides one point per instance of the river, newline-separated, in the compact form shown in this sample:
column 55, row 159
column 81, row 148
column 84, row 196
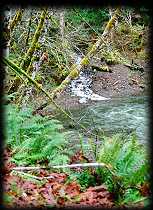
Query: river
column 118, row 115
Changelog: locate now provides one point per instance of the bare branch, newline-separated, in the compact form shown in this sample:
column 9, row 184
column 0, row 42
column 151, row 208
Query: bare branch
column 82, row 165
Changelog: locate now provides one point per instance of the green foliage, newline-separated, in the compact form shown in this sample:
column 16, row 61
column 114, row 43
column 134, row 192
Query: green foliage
column 7, row 199
column 128, row 162
column 131, row 195
column 95, row 17
column 137, row 39
column 131, row 39
column 84, row 178
column 35, row 138
column 112, row 56
column 145, row 16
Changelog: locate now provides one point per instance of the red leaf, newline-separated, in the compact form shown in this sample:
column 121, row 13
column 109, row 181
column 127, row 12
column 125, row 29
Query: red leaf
column 72, row 189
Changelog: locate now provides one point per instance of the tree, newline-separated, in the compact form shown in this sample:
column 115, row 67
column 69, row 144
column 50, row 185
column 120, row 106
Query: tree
column 28, row 56
column 16, row 19
column 76, row 68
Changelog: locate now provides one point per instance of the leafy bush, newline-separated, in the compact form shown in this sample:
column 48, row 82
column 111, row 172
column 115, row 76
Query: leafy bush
column 35, row 138
column 128, row 161
column 84, row 178
column 95, row 17
column 131, row 39
column 111, row 56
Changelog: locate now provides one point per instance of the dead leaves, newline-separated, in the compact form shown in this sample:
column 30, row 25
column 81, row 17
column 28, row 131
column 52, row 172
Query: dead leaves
column 55, row 191
column 100, row 198
column 145, row 189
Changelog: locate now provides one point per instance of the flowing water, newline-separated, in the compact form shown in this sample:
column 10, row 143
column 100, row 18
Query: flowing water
column 81, row 86
column 107, row 116
column 118, row 115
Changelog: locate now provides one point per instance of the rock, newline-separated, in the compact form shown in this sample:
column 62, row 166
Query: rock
column 96, row 97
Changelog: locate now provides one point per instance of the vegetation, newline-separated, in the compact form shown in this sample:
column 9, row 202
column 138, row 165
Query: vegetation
column 130, row 168
column 43, row 45
column 35, row 139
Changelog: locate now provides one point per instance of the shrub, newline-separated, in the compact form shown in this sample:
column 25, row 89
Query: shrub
column 128, row 161
column 34, row 139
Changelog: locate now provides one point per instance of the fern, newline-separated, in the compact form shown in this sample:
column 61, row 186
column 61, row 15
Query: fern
column 35, row 138
column 128, row 160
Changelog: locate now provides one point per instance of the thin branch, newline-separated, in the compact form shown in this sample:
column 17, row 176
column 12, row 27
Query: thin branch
column 82, row 165
column 29, row 25
column 27, row 175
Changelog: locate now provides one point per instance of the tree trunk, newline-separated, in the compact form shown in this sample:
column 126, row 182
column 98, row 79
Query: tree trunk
column 62, row 24
column 26, row 61
column 6, row 32
column 29, row 25
column 76, row 68
column 28, row 56
column 17, row 18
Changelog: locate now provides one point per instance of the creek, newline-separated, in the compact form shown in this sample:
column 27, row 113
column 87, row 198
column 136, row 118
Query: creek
column 118, row 115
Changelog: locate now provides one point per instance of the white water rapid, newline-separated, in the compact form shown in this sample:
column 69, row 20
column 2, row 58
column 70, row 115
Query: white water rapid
column 81, row 86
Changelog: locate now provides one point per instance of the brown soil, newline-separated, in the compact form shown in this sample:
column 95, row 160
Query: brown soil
column 120, row 83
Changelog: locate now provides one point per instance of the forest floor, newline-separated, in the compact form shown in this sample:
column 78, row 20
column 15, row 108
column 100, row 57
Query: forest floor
column 52, row 189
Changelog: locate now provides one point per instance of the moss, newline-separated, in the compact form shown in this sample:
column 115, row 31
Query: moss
column 64, row 83
column 33, row 46
column 93, row 49
column 110, row 24
column 85, row 61
column 74, row 73
column 112, row 21
column 74, row 66
column 38, row 47
column 104, row 68
column 101, row 68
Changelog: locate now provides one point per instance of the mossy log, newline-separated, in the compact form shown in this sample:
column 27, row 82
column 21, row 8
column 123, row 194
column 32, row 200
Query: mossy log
column 17, row 18
column 28, row 56
column 18, row 70
column 26, row 61
column 135, row 67
column 103, row 68
column 74, row 73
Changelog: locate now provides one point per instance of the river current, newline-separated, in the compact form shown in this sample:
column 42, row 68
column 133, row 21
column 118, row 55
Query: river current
column 118, row 115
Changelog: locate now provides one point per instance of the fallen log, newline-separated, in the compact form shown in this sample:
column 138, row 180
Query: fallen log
column 102, row 68
column 134, row 66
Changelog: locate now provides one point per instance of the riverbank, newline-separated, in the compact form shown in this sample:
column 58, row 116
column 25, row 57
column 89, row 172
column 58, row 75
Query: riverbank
column 121, row 82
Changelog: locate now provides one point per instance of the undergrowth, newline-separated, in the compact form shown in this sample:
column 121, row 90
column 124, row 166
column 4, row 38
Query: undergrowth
column 129, row 167
column 128, row 174
column 34, row 139
column 38, row 140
